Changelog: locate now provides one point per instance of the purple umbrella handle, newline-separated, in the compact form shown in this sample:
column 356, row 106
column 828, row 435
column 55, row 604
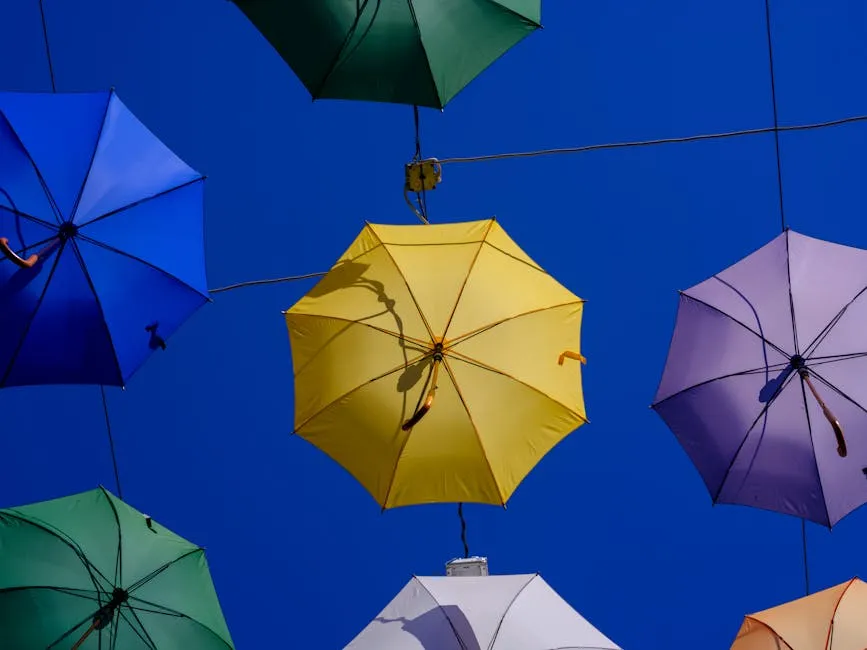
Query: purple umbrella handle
column 835, row 424
column 12, row 257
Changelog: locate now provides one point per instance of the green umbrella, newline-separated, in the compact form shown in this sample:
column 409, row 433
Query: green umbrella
column 89, row 572
column 420, row 52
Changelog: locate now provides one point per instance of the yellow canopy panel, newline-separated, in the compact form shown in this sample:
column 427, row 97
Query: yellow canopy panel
column 437, row 363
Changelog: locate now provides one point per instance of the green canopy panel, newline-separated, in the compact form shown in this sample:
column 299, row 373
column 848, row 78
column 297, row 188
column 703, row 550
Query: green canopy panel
column 417, row 52
column 88, row 566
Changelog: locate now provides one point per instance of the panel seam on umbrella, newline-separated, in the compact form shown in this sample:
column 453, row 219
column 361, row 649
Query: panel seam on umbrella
column 141, row 582
column 834, row 614
column 440, row 101
column 74, row 210
column 485, row 328
column 771, row 630
column 791, row 297
column 484, row 366
column 742, row 373
column 820, row 338
column 406, row 284
column 335, row 62
column 466, row 277
column 401, row 337
column 735, row 320
column 47, row 191
column 146, row 638
column 514, row 13
column 508, row 609
column 444, row 613
column 762, row 413
column 31, row 218
column 14, row 358
column 476, row 431
column 118, row 567
column 80, row 259
column 357, row 388
column 200, row 179
column 532, row 264
column 173, row 612
column 835, row 389
column 815, row 458
column 117, row 251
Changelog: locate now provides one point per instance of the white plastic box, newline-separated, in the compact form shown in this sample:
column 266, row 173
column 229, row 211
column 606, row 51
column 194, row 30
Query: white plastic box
column 467, row 566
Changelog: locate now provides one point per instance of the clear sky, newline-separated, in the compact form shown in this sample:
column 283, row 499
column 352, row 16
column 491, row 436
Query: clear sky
column 615, row 518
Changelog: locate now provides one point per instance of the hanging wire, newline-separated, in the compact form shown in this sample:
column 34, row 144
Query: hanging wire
column 776, row 121
column 252, row 283
column 806, row 566
column 463, row 530
column 111, row 443
column 421, row 197
column 47, row 47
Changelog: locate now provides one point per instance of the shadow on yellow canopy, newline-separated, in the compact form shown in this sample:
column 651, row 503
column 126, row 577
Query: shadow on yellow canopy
column 831, row 618
column 437, row 363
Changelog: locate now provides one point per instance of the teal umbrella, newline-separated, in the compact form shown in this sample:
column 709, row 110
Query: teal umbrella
column 417, row 52
column 89, row 572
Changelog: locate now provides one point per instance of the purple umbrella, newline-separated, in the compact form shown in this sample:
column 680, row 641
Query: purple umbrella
column 765, row 374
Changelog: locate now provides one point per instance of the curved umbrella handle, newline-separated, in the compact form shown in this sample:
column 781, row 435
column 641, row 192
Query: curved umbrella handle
column 568, row 354
column 833, row 421
column 428, row 402
column 12, row 257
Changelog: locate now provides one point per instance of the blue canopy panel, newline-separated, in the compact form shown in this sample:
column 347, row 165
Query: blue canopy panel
column 117, row 219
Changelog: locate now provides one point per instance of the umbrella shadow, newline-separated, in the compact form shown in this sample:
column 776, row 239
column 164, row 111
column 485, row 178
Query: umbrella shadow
column 428, row 628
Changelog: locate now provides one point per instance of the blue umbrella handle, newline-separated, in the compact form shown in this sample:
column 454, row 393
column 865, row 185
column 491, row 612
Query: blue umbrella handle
column 834, row 422
column 12, row 257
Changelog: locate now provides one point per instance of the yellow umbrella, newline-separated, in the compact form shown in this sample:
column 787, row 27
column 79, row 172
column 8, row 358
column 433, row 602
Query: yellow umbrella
column 430, row 362
column 831, row 619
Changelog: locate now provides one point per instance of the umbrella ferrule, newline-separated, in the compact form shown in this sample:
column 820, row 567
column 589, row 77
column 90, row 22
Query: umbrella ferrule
column 797, row 362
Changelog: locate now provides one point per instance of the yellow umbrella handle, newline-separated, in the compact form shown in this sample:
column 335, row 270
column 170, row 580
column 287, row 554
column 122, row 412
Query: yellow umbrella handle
column 12, row 257
column 428, row 402
column 834, row 422
column 568, row 354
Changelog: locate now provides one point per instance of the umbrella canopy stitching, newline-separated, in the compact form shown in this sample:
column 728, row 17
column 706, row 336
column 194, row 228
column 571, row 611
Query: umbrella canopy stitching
column 425, row 56
column 515, row 13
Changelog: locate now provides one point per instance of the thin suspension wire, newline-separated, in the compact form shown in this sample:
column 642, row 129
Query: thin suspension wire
column 252, row 283
column 776, row 122
column 421, row 197
column 47, row 47
column 111, row 443
column 463, row 530
column 645, row 143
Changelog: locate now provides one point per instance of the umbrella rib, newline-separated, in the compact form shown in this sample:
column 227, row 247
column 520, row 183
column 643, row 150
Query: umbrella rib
column 30, row 320
column 401, row 337
column 789, row 284
column 762, row 413
column 444, row 613
column 147, row 637
column 153, row 574
column 118, row 562
column 357, row 388
column 406, row 284
column 146, row 199
column 51, row 202
column 130, row 256
column 835, row 389
column 174, row 613
column 424, row 53
column 813, row 447
column 514, row 13
column 508, row 608
column 735, row 320
column 466, row 277
column 827, row 329
column 742, row 373
column 335, row 62
column 485, row 366
column 29, row 217
column 481, row 330
column 72, row 213
column 90, row 284
column 475, row 430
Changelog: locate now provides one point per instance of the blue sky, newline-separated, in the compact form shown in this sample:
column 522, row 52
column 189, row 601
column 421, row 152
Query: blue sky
column 615, row 518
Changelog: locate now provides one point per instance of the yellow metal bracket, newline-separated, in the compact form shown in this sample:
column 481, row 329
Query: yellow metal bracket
column 422, row 175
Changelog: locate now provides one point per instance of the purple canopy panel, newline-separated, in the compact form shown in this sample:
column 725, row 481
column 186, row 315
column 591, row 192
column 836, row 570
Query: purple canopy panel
column 750, row 346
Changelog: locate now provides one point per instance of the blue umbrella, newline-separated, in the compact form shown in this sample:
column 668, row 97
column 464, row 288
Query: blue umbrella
column 101, row 240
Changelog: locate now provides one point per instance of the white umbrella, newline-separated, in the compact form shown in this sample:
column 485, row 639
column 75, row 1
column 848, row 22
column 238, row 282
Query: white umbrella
column 500, row 612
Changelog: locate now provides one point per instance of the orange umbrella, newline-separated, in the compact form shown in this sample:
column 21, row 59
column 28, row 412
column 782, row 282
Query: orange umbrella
column 832, row 619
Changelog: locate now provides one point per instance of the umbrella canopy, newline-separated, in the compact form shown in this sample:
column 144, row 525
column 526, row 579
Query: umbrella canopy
column 831, row 619
column 101, row 240
column 420, row 52
column 505, row 612
column 89, row 568
column 431, row 362
column 764, row 386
